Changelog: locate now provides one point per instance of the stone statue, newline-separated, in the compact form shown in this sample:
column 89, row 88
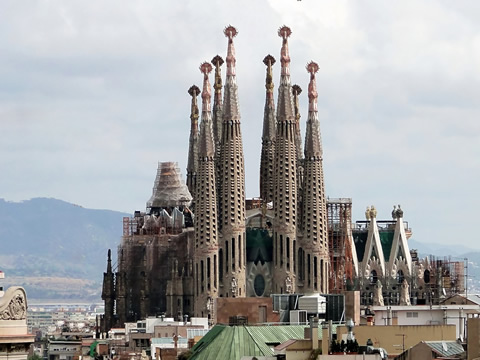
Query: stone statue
column 377, row 294
column 367, row 213
column 288, row 285
column 373, row 212
column 399, row 212
column 404, row 293
column 394, row 212
column 233, row 287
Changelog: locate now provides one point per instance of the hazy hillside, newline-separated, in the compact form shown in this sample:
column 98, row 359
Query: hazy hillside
column 57, row 250
column 48, row 241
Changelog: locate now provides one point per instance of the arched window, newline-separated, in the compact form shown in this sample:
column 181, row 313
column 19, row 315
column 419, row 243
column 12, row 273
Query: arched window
column 400, row 276
column 426, row 276
column 373, row 277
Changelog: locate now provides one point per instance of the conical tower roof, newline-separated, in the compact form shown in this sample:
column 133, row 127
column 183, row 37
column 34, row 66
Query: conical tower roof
column 169, row 190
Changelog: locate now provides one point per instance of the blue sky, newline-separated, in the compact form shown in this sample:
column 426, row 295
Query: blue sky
column 94, row 93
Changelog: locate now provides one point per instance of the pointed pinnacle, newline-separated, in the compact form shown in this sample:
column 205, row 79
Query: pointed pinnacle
column 269, row 60
column 194, row 91
column 206, row 68
column 230, row 32
column 284, row 32
column 217, row 61
column 312, row 68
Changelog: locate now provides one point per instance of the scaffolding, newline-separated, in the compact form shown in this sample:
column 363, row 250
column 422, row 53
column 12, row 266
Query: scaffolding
column 339, row 218
column 447, row 278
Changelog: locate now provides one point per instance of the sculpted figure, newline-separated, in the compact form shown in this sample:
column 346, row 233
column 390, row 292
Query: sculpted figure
column 233, row 287
column 377, row 294
column 405, row 293
column 288, row 285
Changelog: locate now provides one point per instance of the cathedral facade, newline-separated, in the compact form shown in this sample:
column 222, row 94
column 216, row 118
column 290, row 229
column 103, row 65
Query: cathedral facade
column 205, row 240
column 202, row 239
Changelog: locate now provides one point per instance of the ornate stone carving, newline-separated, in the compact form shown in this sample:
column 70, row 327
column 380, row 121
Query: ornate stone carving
column 233, row 287
column 377, row 294
column 405, row 293
column 13, row 306
column 288, row 285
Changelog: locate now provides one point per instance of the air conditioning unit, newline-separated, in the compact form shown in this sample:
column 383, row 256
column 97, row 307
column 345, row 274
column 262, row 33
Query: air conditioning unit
column 298, row 317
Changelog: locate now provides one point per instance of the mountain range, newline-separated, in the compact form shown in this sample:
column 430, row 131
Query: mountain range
column 58, row 250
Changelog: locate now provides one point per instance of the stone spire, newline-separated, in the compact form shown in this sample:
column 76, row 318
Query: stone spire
column 206, row 146
column 108, row 295
column 285, row 174
column 206, row 276
column 217, row 115
column 268, row 136
column 232, row 190
column 314, row 241
column 313, row 144
column 192, row 144
column 296, row 91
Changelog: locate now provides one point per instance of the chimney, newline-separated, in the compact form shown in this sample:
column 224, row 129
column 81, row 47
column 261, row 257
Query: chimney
column 314, row 332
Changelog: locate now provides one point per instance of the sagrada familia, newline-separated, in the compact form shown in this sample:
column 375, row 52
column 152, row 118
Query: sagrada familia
column 203, row 240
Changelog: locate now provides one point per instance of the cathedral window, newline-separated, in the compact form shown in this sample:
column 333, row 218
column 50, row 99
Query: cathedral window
column 202, row 271
column 226, row 257
column 239, row 251
column 220, row 264
column 215, row 271
column 233, row 253
column 400, row 276
column 426, row 276
column 208, row 273
column 281, row 250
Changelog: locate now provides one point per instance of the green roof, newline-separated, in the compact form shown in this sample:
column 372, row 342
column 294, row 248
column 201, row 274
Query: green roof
column 445, row 348
column 233, row 342
column 259, row 245
column 386, row 240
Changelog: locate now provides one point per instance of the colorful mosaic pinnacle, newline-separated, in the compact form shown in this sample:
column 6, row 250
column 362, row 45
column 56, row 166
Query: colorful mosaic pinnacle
column 312, row 68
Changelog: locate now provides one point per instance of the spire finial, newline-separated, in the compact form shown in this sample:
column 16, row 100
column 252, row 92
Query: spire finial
column 284, row 32
column 194, row 91
column 206, row 68
column 109, row 261
column 217, row 61
column 269, row 60
column 230, row 32
column 296, row 90
column 312, row 68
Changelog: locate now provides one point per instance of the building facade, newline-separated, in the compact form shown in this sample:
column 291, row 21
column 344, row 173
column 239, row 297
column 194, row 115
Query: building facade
column 202, row 240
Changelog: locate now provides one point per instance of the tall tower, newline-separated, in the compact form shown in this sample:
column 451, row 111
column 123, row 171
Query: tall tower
column 268, row 136
column 192, row 144
column 108, row 295
column 232, row 196
column 217, row 114
column 313, row 250
column 206, row 245
column 217, row 118
column 285, row 173
column 296, row 91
